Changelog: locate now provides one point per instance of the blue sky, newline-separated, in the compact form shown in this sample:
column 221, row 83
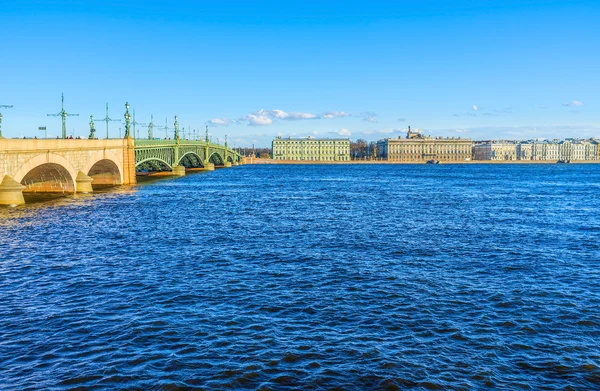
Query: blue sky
column 253, row 70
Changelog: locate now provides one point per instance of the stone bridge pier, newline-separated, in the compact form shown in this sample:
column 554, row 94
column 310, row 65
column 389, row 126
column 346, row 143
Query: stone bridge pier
column 62, row 166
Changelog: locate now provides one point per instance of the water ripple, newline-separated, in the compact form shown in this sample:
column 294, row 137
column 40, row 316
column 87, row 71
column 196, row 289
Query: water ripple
column 309, row 277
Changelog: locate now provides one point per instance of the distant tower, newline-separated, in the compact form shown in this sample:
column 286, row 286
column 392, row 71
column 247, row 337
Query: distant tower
column 412, row 134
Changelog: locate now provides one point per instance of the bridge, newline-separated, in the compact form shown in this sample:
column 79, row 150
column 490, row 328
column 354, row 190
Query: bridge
column 178, row 155
column 70, row 166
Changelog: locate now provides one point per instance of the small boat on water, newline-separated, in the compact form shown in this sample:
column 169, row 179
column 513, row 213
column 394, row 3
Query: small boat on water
column 563, row 161
column 432, row 161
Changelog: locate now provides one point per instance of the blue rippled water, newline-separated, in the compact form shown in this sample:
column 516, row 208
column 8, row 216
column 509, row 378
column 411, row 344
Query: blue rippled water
column 451, row 277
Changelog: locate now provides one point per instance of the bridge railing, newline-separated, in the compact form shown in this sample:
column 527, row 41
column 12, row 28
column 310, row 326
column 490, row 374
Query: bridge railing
column 153, row 143
column 144, row 143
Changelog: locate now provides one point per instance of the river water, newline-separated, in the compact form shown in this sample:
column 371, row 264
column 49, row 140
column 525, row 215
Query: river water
column 362, row 277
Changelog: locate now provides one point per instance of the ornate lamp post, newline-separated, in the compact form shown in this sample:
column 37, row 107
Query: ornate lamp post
column 176, row 124
column 127, row 121
column 151, row 128
column 92, row 128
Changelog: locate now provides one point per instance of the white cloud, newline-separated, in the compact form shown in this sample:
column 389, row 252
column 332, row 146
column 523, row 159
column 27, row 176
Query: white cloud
column 297, row 116
column 280, row 114
column 258, row 118
column 369, row 117
column 335, row 114
column 480, row 111
column 344, row 132
column 574, row 103
column 221, row 122
column 383, row 131
column 469, row 114
column 265, row 117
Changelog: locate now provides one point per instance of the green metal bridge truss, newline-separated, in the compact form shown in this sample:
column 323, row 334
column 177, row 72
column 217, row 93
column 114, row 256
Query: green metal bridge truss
column 188, row 153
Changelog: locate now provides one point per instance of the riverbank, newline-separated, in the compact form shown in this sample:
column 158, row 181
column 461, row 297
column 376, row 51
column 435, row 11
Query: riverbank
column 272, row 161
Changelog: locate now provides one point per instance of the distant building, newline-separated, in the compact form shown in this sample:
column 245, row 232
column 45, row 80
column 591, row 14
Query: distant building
column 311, row 149
column 417, row 148
column 545, row 150
column 569, row 149
column 594, row 149
column 524, row 151
column 574, row 149
column 495, row 150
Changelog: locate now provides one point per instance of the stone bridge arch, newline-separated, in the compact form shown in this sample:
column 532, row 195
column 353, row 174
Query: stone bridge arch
column 49, row 173
column 105, row 168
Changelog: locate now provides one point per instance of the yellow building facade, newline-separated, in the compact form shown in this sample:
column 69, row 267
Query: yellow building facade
column 418, row 148
column 495, row 151
column 311, row 149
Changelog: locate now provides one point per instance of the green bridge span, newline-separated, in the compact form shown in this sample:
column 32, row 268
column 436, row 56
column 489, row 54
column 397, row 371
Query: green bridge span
column 177, row 155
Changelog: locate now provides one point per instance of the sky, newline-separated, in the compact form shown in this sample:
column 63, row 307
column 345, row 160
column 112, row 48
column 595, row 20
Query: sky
column 255, row 70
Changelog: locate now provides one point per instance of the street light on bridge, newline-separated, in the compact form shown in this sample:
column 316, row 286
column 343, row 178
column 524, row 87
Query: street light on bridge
column 127, row 121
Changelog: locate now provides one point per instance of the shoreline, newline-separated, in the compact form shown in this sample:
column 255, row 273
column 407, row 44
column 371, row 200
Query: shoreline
column 359, row 162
